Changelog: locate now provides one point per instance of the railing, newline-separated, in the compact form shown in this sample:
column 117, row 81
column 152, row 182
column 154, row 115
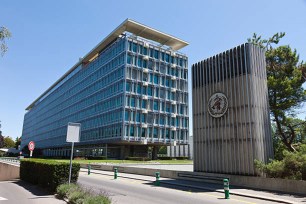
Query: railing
column 14, row 160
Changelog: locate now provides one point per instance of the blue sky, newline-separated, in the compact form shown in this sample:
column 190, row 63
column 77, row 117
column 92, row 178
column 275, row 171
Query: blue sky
column 50, row 36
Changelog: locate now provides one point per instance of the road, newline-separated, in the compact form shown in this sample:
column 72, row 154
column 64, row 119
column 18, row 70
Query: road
column 127, row 190
column 17, row 192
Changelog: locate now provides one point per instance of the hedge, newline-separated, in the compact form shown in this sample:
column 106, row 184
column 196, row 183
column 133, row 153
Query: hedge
column 138, row 158
column 47, row 173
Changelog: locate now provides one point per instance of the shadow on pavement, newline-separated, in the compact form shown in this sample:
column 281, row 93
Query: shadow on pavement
column 34, row 189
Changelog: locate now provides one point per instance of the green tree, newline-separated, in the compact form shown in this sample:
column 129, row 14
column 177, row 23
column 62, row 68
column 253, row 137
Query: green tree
column 285, row 75
column 1, row 140
column 4, row 34
column 17, row 142
column 9, row 142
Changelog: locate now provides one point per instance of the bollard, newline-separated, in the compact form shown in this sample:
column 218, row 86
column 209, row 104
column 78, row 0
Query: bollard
column 89, row 167
column 226, row 188
column 157, row 174
column 115, row 173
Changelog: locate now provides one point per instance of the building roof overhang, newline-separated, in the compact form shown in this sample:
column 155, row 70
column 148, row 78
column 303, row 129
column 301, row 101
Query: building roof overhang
column 128, row 25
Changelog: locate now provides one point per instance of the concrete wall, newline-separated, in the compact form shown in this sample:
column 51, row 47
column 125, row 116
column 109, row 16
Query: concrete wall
column 8, row 172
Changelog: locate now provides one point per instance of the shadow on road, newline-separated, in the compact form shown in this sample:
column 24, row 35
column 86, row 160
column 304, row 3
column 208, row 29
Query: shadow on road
column 34, row 189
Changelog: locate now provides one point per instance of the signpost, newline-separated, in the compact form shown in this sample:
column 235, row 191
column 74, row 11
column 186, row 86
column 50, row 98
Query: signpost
column 73, row 135
column 31, row 147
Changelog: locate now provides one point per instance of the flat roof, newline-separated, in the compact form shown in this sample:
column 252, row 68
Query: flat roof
column 131, row 26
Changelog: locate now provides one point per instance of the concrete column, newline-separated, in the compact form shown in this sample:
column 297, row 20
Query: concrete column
column 154, row 152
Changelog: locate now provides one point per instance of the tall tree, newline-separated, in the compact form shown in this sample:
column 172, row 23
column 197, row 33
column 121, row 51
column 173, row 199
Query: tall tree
column 285, row 90
column 9, row 142
column 4, row 34
column 1, row 141
column 17, row 142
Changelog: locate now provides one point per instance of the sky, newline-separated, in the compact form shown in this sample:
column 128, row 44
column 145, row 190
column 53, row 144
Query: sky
column 48, row 37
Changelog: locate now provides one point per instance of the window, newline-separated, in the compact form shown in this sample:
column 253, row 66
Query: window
column 127, row 116
column 143, row 132
column 156, row 105
column 143, row 118
column 163, row 106
column 138, row 89
column 128, row 87
column 150, row 91
column 162, row 120
column 145, row 51
column 144, row 104
column 134, row 47
column 132, row 101
column 156, row 79
column 132, row 131
column 138, row 117
column 167, row 134
column 156, row 92
column 151, row 77
column 156, row 54
column 155, row 132
column 144, row 90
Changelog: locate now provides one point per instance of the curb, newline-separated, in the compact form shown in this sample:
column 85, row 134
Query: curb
column 232, row 193
column 215, row 190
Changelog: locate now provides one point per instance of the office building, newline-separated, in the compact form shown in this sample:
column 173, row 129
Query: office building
column 129, row 93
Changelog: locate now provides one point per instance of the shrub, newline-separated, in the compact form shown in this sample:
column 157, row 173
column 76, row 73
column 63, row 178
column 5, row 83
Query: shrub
column 96, row 199
column 77, row 195
column 97, row 158
column 47, row 173
column 138, row 158
column 181, row 158
column 293, row 165
column 165, row 158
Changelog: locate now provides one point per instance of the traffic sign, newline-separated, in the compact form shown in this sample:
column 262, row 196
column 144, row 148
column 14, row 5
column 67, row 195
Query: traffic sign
column 31, row 146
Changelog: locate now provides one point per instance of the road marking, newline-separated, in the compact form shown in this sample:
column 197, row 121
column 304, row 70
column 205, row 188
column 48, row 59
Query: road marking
column 1, row 198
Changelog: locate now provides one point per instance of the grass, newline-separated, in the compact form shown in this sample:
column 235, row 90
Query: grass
column 126, row 161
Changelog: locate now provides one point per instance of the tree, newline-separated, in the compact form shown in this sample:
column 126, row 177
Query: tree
column 4, row 34
column 1, row 140
column 17, row 142
column 9, row 142
column 285, row 75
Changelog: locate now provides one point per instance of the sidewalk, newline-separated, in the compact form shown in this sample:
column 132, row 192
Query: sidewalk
column 234, row 190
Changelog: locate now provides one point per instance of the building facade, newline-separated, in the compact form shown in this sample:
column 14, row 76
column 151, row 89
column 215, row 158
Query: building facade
column 129, row 93
column 231, row 123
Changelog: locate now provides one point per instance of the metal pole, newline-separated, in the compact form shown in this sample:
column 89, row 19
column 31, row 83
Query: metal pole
column 71, row 156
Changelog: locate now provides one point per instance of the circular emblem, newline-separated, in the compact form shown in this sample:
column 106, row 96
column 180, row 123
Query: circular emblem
column 217, row 105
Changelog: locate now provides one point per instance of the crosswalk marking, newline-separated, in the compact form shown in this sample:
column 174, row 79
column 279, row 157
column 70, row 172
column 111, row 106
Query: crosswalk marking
column 1, row 198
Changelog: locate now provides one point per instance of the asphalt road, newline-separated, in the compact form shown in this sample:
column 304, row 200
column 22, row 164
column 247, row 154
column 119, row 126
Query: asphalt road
column 19, row 192
column 126, row 190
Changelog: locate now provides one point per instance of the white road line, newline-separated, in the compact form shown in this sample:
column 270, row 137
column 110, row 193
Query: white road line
column 1, row 198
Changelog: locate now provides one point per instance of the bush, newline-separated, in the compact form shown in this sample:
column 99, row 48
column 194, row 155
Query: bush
column 96, row 199
column 97, row 158
column 181, row 158
column 47, row 173
column 138, row 158
column 77, row 195
column 165, row 158
column 293, row 165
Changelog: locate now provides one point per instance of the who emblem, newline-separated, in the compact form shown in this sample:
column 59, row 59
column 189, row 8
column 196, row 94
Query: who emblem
column 217, row 105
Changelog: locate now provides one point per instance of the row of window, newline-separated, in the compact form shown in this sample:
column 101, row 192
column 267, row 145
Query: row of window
column 157, row 53
column 155, row 132
column 157, row 119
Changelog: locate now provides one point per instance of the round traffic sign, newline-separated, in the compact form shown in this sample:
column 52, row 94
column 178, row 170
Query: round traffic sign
column 31, row 146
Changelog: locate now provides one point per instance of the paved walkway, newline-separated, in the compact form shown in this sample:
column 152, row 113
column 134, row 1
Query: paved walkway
column 20, row 192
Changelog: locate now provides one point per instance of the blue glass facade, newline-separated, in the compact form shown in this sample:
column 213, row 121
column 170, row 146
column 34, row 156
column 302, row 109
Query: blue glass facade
column 131, row 91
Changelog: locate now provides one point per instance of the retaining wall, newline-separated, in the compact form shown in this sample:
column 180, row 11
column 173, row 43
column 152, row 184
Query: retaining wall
column 8, row 171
